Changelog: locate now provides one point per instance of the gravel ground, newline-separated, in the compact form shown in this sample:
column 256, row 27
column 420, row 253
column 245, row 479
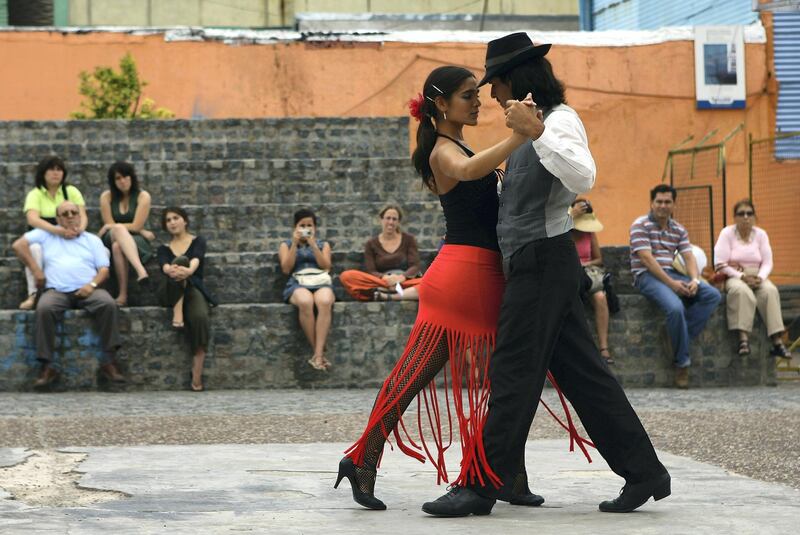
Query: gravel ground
column 750, row 431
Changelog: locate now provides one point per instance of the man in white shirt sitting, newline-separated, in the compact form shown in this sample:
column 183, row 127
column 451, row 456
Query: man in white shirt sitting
column 73, row 270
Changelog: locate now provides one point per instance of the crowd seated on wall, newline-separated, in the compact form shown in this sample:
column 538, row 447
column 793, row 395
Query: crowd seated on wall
column 66, row 268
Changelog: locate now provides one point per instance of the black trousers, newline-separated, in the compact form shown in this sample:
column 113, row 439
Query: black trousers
column 542, row 325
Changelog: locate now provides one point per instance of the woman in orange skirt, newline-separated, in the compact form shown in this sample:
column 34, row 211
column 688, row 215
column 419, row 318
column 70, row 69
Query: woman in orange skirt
column 392, row 262
column 459, row 298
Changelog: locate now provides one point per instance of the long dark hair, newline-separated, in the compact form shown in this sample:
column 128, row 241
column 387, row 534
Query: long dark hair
column 441, row 82
column 47, row 163
column 536, row 76
column 122, row 169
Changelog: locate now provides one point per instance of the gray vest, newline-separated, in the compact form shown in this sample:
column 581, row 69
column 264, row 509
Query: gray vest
column 534, row 203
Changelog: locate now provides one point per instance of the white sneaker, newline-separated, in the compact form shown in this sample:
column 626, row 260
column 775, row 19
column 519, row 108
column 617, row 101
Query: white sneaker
column 28, row 303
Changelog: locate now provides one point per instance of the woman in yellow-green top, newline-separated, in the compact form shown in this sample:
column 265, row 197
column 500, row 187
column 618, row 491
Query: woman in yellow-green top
column 51, row 189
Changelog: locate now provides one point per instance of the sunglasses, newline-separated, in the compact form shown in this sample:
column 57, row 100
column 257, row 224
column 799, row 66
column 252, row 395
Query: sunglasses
column 69, row 213
column 746, row 213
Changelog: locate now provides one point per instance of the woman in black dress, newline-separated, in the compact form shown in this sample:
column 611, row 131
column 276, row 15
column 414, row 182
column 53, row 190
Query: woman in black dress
column 182, row 261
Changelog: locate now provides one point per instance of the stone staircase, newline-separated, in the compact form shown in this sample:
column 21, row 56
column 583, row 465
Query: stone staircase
column 240, row 181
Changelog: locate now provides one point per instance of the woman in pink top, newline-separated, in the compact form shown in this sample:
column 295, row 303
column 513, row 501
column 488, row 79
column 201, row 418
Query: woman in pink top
column 743, row 254
column 586, row 225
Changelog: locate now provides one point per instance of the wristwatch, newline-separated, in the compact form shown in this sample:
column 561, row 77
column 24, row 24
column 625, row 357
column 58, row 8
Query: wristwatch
column 697, row 280
column 93, row 284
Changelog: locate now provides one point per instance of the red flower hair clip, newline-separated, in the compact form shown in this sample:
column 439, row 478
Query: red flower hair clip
column 415, row 106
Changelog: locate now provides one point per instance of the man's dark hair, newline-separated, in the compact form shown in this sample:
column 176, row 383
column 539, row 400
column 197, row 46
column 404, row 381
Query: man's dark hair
column 50, row 162
column 303, row 213
column 173, row 210
column 663, row 188
column 536, row 76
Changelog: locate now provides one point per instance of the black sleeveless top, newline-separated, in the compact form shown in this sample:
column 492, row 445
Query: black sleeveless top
column 470, row 209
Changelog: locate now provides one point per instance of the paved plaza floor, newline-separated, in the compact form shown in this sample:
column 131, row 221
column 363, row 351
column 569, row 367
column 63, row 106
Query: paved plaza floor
column 265, row 461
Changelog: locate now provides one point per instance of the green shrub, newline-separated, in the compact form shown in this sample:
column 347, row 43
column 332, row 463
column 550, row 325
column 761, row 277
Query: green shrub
column 116, row 95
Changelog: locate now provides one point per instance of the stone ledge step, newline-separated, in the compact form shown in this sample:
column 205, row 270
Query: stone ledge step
column 261, row 346
column 238, row 277
column 262, row 227
column 230, row 277
column 187, row 139
column 201, row 129
column 241, row 181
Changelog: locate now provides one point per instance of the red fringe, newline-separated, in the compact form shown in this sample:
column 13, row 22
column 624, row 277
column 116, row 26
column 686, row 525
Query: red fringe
column 469, row 359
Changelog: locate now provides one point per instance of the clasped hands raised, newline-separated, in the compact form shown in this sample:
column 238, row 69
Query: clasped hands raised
column 178, row 273
column 524, row 118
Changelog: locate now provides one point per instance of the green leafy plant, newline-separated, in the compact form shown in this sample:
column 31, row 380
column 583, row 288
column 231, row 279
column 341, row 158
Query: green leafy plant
column 109, row 94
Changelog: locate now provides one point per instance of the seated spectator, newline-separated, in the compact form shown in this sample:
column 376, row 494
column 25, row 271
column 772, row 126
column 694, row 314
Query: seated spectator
column 125, row 209
column 50, row 190
column 308, row 261
column 74, row 267
column 392, row 262
column 182, row 262
column 585, row 238
column 744, row 255
column 687, row 302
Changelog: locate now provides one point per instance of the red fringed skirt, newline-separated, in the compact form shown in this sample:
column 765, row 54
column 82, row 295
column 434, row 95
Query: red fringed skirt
column 459, row 300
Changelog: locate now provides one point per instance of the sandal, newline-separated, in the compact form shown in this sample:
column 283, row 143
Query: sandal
column 779, row 350
column 744, row 348
column 326, row 363
column 379, row 295
column 178, row 325
column 607, row 356
column 317, row 365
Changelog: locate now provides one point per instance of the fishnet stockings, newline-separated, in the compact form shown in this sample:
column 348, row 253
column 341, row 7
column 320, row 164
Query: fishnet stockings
column 376, row 438
column 520, row 486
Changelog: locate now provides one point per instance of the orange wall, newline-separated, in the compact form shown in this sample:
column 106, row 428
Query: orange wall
column 636, row 102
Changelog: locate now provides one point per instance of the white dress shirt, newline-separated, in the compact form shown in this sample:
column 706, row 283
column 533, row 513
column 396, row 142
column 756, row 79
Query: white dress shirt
column 563, row 149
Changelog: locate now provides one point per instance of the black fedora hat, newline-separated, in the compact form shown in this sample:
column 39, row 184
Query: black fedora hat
column 509, row 51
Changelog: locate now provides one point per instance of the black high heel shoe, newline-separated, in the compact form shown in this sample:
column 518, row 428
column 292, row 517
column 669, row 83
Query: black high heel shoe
column 347, row 469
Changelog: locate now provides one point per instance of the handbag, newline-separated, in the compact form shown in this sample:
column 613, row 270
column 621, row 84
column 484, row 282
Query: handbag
column 312, row 278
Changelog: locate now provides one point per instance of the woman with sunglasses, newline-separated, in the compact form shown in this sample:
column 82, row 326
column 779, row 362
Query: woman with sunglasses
column 743, row 253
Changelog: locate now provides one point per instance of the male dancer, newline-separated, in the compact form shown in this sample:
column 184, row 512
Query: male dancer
column 542, row 324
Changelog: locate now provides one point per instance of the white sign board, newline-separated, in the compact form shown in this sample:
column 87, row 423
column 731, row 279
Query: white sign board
column 719, row 67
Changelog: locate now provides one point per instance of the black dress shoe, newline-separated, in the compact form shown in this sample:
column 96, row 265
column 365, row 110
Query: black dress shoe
column 526, row 498
column 633, row 496
column 459, row 501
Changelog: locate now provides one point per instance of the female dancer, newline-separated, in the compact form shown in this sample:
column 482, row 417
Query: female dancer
column 459, row 295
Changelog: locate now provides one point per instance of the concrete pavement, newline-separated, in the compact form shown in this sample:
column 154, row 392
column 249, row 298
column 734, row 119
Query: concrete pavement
column 287, row 489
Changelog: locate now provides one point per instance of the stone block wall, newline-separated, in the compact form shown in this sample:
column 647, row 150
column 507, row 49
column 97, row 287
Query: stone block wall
column 261, row 346
column 240, row 181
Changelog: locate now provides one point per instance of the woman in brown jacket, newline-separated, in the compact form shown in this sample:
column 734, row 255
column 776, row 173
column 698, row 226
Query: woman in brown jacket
column 392, row 263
